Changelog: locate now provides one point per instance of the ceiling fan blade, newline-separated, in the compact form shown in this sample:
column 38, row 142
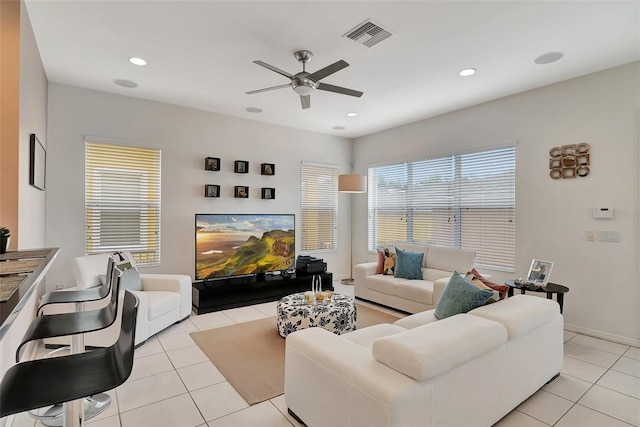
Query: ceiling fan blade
column 328, row 70
column 267, row 89
column 306, row 101
column 338, row 89
column 272, row 68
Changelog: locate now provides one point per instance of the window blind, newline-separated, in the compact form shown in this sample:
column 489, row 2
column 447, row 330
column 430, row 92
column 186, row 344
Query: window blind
column 122, row 200
column 319, row 207
column 464, row 201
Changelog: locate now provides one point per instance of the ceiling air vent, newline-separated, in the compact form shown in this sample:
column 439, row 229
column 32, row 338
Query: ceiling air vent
column 368, row 33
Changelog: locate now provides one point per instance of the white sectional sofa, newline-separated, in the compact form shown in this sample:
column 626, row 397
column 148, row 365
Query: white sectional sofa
column 413, row 296
column 465, row 370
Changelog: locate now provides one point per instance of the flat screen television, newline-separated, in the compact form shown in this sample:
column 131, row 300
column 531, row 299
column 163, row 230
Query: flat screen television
column 243, row 244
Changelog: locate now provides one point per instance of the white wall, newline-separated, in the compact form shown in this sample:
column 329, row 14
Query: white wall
column 186, row 136
column 552, row 216
column 33, row 119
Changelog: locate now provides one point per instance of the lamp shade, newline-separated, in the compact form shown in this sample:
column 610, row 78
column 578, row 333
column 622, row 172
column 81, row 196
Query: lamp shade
column 352, row 183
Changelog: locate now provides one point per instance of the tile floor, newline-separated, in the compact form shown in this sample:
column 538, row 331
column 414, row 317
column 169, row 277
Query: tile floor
column 174, row 384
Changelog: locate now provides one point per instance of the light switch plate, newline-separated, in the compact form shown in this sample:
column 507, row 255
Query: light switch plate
column 609, row 236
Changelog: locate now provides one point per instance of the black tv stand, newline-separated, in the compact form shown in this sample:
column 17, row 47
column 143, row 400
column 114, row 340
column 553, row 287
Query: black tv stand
column 221, row 294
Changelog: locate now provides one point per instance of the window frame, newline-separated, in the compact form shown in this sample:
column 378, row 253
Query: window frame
column 327, row 205
column 133, row 185
column 453, row 190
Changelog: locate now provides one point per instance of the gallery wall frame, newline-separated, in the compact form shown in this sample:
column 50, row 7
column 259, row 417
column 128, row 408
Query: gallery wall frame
column 241, row 166
column 268, row 193
column 241, row 192
column 212, row 163
column 267, row 169
column 211, row 190
column 37, row 163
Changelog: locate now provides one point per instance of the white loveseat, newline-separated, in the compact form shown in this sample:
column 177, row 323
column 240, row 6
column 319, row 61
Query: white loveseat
column 465, row 370
column 413, row 296
column 164, row 300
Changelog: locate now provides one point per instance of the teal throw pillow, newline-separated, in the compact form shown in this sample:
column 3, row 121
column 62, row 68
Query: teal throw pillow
column 408, row 264
column 130, row 280
column 460, row 296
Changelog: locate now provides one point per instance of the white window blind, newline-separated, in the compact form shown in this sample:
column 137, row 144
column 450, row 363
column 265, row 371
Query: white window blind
column 122, row 200
column 319, row 207
column 464, row 201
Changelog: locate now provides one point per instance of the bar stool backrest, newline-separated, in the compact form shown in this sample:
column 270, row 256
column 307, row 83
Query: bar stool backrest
column 57, row 325
column 85, row 269
column 77, row 296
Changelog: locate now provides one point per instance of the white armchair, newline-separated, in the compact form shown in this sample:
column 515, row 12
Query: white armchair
column 165, row 299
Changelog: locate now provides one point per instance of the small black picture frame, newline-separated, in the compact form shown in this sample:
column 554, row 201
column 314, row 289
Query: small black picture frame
column 267, row 169
column 37, row 163
column 241, row 192
column 268, row 193
column 241, row 166
column 211, row 190
column 212, row 163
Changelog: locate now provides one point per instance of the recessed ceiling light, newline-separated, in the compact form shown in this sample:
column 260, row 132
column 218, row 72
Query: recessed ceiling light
column 548, row 58
column 137, row 61
column 125, row 83
column 254, row 110
column 352, row 114
column 467, row 72
column 338, row 128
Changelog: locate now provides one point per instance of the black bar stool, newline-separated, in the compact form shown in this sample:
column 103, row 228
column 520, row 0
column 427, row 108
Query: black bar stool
column 78, row 296
column 75, row 324
column 37, row 383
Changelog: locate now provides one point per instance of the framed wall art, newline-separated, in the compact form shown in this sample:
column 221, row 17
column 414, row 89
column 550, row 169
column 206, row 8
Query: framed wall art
column 570, row 161
column 211, row 190
column 268, row 193
column 241, row 166
column 267, row 169
column 212, row 163
column 37, row 163
column 241, row 192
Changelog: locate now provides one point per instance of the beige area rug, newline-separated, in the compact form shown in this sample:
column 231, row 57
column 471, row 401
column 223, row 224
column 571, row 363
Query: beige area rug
column 250, row 355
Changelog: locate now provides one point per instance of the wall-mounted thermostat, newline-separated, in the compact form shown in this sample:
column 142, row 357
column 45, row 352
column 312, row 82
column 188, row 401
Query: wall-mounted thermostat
column 603, row 213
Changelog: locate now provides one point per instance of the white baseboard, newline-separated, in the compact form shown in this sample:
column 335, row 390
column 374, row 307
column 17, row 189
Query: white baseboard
column 603, row 335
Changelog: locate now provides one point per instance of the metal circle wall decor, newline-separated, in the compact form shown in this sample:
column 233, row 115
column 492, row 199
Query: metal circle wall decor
column 569, row 161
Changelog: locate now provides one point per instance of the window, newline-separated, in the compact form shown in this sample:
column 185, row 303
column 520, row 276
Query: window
column 463, row 201
column 319, row 207
column 122, row 200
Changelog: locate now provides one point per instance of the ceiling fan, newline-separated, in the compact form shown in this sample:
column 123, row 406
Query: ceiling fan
column 304, row 83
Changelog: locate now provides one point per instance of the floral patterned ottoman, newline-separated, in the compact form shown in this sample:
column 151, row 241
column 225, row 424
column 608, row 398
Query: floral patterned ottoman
column 339, row 316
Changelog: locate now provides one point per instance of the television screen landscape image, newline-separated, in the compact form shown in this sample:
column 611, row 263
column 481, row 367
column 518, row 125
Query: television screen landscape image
column 234, row 245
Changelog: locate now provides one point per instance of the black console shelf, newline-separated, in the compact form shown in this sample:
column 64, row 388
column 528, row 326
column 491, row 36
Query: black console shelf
column 221, row 294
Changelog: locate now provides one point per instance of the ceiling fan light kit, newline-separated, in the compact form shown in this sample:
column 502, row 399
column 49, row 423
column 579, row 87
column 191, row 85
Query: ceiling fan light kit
column 304, row 83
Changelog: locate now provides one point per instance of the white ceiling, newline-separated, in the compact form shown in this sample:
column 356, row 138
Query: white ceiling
column 200, row 53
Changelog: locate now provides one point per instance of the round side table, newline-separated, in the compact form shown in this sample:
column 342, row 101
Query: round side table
column 339, row 316
column 549, row 289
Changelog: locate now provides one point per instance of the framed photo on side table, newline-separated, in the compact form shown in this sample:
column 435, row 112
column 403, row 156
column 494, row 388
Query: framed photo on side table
column 539, row 272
